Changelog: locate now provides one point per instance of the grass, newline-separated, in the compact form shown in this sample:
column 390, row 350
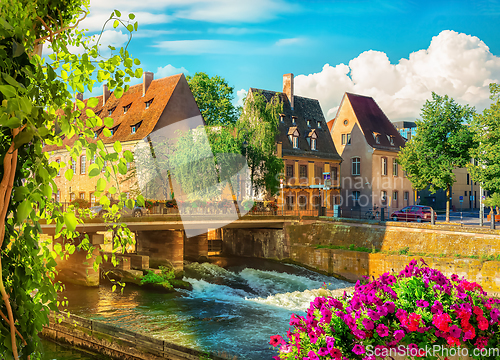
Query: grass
column 351, row 247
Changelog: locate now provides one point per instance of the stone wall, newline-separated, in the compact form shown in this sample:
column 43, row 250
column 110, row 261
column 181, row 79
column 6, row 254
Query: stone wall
column 263, row 243
column 164, row 247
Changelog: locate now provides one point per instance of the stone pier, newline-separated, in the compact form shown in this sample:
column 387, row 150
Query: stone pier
column 196, row 247
column 164, row 247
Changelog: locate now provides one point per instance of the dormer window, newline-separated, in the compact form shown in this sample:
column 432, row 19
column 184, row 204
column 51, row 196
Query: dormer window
column 133, row 128
column 391, row 139
column 309, row 123
column 319, row 124
column 294, row 119
column 376, row 136
column 311, row 139
column 293, row 136
column 282, row 117
column 125, row 108
column 113, row 130
column 98, row 113
column 148, row 103
column 110, row 111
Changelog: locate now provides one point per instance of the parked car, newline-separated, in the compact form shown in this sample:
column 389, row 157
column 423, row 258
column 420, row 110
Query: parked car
column 137, row 211
column 416, row 213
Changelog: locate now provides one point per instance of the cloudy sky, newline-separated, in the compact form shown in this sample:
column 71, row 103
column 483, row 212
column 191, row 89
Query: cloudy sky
column 395, row 51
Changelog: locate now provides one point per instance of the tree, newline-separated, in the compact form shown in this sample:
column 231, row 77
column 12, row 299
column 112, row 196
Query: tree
column 486, row 130
column 442, row 143
column 213, row 96
column 258, row 125
column 36, row 107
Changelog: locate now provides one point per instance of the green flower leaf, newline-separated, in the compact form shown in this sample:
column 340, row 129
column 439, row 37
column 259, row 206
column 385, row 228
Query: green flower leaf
column 70, row 221
column 117, row 146
column 23, row 210
column 68, row 174
column 92, row 102
column 101, row 184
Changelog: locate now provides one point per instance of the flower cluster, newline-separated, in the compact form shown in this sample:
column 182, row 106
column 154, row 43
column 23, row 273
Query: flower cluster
column 416, row 308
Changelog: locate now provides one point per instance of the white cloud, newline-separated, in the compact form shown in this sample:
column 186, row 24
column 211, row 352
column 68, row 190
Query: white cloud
column 454, row 64
column 290, row 41
column 197, row 47
column 169, row 70
column 240, row 97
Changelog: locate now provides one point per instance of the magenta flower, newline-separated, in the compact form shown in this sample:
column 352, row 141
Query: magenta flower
column 455, row 331
column 323, row 352
column 390, row 307
column 398, row 335
column 422, row 303
column 358, row 349
column 312, row 355
column 382, row 330
column 437, row 307
column 368, row 324
column 373, row 315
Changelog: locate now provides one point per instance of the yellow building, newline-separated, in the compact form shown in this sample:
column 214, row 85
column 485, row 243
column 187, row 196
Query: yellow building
column 307, row 150
column 145, row 108
column 369, row 144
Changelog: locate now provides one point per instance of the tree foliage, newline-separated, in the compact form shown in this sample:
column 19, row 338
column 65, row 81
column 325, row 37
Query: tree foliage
column 486, row 130
column 258, row 125
column 442, row 143
column 36, row 106
column 214, row 98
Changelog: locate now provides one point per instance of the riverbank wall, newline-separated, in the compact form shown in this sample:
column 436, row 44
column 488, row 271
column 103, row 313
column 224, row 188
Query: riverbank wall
column 333, row 247
column 117, row 343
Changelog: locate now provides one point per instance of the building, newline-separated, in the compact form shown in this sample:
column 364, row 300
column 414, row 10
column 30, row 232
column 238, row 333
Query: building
column 406, row 129
column 142, row 110
column 369, row 144
column 307, row 150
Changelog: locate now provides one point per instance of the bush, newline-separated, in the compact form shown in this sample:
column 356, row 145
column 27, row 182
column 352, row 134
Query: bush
column 81, row 203
column 401, row 314
column 163, row 278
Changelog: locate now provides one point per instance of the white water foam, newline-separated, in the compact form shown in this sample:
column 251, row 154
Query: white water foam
column 297, row 300
column 219, row 293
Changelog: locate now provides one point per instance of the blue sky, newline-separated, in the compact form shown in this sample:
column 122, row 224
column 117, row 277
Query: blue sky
column 330, row 46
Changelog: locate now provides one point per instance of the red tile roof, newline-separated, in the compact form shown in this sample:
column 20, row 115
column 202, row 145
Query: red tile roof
column 160, row 91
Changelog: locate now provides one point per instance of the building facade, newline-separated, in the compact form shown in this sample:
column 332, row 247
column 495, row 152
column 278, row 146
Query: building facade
column 141, row 111
column 307, row 150
column 369, row 143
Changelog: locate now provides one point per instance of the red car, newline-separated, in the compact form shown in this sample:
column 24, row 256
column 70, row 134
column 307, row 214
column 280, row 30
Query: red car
column 416, row 213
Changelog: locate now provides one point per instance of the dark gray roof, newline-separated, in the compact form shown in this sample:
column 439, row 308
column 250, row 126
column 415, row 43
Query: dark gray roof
column 304, row 109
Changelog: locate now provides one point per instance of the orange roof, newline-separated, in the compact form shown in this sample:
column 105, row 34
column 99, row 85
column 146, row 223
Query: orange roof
column 159, row 92
column 330, row 124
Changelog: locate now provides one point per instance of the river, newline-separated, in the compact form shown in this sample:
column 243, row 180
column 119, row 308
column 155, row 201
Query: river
column 230, row 311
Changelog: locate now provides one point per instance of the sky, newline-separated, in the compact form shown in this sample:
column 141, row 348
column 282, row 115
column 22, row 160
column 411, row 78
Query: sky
column 398, row 52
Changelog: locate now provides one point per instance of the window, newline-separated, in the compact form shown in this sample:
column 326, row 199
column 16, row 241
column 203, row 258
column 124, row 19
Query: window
column 95, row 134
column 293, row 119
column 289, row 171
column 406, row 195
column 395, row 199
column 356, row 166
column 295, row 142
column 318, row 172
column 125, row 108
column 313, row 144
column 82, row 195
column 391, row 140
column 355, row 197
column 110, row 111
column 383, row 196
column 384, row 166
column 346, row 139
column 334, row 174
column 134, row 127
column 346, row 122
column 104, row 166
column 319, row 124
column 148, row 103
column 113, row 130
column 58, row 161
column 128, row 166
column 92, row 161
column 92, row 199
column 282, row 117
column 72, row 197
column 377, row 139
column 303, row 171
column 309, row 123
column 468, row 179
column 73, row 165
column 83, row 160
column 394, row 167
column 58, row 196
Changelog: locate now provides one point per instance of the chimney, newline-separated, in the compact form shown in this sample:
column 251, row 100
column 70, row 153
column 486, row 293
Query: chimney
column 147, row 78
column 288, row 87
column 105, row 94
column 79, row 96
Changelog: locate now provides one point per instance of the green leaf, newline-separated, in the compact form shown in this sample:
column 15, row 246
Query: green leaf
column 106, row 132
column 128, row 155
column 116, row 23
column 118, row 92
column 89, row 113
column 117, row 146
column 130, row 27
column 131, row 16
column 104, row 201
column 137, row 62
column 118, row 13
column 68, row 174
column 112, row 190
column 101, row 184
column 138, row 73
column 23, row 210
column 92, row 102
column 108, row 122
column 113, row 288
column 122, row 168
column 8, row 91
column 94, row 170
column 140, row 200
column 70, row 221
column 79, row 104
column 130, row 204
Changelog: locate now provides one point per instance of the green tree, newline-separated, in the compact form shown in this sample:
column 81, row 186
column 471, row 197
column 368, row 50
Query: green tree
column 214, row 98
column 442, row 143
column 258, row 125
column 36, row 107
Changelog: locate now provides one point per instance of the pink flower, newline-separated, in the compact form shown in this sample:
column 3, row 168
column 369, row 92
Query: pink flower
column 358, row 349
column 382, row 330
column 368, row 324
column 276, row 340
column 398, row 335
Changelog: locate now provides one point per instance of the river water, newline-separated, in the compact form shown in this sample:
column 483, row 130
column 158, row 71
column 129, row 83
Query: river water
column 230, row 311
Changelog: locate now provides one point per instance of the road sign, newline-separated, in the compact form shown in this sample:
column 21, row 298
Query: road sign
column 316, row 186
column 461, row 198
column 328, row 182
column 326, row 176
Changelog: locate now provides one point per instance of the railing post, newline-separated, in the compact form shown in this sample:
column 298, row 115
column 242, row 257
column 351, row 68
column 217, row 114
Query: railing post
column 492, row 220
column 432, row 217
column 382, row 217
